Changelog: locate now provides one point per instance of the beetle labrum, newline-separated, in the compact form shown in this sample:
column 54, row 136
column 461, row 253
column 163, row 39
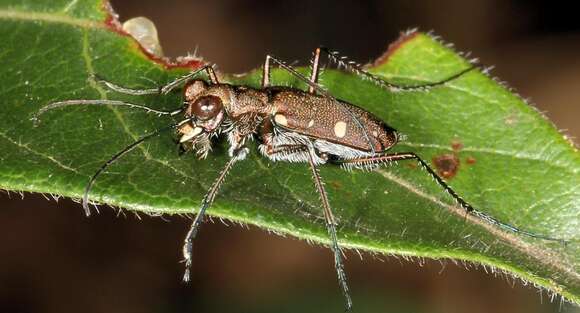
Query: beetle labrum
column 291, row 125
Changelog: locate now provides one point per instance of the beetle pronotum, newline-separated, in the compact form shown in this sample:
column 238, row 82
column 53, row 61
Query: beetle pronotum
column 290, row 125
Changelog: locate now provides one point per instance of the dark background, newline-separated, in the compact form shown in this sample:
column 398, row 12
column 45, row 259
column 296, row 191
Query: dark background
column 56, row 260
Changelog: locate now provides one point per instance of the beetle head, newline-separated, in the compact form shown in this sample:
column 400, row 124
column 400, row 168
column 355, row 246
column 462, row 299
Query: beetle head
column 205, row 109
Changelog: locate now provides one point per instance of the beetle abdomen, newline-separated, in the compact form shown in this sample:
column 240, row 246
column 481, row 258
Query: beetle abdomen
column 323, row 118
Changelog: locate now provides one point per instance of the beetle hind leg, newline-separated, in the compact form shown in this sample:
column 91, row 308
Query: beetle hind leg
column 206, row 203
column 289, row 147
column 291, row 151
column 375, row 161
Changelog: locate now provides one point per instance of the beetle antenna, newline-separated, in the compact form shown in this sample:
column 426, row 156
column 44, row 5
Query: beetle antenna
column 117, row 156
column 60, row 104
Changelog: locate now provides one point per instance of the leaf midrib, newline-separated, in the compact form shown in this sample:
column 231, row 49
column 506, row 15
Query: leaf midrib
column 51, row 17
column 507, row 153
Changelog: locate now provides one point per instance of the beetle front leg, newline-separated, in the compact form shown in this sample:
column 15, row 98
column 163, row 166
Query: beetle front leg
column 206, row 203
column 161, row 90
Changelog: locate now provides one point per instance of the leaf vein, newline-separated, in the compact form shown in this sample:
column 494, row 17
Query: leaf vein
column 91, row 73
column 542, row 255
column 27, row 148
column 513, row 154
column 49, row 17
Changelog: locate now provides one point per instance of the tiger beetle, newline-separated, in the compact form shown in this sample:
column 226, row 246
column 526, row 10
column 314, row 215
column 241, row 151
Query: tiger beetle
column 290, row 125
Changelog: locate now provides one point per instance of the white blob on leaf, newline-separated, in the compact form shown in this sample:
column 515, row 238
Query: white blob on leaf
column 144, row 31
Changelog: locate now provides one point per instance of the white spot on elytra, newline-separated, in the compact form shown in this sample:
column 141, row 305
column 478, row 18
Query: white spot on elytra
column 375, row 133
column 281, row 119
column 340, row 129
column 311, row 123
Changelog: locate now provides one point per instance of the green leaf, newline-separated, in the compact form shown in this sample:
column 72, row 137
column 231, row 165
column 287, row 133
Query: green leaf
column 513, row 164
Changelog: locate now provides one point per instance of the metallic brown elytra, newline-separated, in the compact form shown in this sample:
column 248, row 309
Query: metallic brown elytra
column 290, row 125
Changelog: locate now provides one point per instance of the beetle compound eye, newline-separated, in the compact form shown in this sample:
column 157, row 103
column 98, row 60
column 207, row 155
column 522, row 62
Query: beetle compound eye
column 207, row 107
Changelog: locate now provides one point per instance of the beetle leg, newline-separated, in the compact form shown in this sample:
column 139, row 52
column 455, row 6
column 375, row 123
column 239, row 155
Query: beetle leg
column 206, row 203
column 371, row 162
column 165, row 89
column 270, row 150
column 286, row 149
column 314, row 71
column 328, row 216
column 188, row 77
column 331, row 228
column 211, row 74
column 266, row 73
column 353, row 67
column 293, row 72
column 125, row 90
column 312, row 82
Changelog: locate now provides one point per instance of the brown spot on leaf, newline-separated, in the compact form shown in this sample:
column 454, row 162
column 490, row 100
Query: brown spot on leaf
column 447, row 165
column 394, row 46
column 412, row 165
column 470, row 160
column 511, row 119
column 335, row 184
column 456, row 145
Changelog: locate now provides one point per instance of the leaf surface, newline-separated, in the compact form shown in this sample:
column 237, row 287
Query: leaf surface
column 512, row 163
